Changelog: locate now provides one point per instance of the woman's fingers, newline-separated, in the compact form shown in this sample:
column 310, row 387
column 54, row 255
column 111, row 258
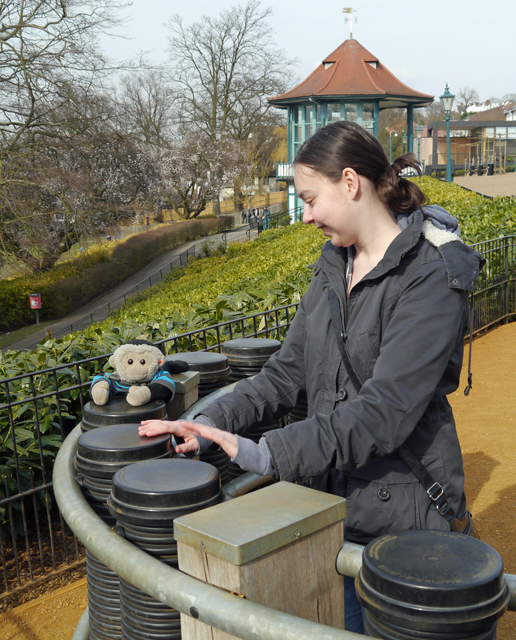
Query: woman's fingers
column 224, row 439
column 189, row 430
column 151, row 428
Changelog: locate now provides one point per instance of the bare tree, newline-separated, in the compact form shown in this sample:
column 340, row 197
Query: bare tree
column 49, row 63
column 466, row 96
column 47, row 47
column 225, row 68
column 190, row 171
column 147, row 106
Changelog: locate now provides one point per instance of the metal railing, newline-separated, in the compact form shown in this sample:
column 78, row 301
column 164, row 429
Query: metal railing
column 39, row 408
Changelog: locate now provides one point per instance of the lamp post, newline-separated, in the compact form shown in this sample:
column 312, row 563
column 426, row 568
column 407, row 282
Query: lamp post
column 419, row 133
column 390, row 143
column 404, row 138
column 447, row 102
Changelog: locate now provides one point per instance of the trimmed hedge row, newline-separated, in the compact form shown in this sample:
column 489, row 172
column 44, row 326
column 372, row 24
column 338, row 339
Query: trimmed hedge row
column 72, row 285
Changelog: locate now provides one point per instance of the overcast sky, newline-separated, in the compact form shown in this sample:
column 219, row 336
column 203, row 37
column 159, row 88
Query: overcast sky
column 425, row 44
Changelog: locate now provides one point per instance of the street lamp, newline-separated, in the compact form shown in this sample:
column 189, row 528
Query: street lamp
column 419, row 133
column 447, row 103
column 390, row 143
column 404, row 138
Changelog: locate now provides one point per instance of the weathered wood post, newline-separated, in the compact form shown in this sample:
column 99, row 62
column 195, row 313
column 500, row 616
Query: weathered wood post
column 276, row 546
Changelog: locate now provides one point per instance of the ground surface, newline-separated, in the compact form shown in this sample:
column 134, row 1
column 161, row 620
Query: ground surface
column 486, row 424
column 498, row 185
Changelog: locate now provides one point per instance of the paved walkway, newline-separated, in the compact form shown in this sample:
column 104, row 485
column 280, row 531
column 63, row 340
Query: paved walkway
column 497, row 185
column 95, row 310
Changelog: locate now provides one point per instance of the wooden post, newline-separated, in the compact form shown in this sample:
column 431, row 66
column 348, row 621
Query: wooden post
column 276, row 546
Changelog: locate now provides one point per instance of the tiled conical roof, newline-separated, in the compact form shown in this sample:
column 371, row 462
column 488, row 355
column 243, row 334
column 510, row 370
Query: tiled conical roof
column 351, row 70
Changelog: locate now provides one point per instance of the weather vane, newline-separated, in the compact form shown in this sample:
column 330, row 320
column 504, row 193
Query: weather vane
column 351, row 11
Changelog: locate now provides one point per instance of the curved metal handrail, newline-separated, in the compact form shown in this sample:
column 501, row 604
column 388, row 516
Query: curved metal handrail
column 236, row 616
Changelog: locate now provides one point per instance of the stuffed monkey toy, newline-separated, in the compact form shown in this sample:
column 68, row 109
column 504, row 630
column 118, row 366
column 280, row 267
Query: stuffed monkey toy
column 140, row 373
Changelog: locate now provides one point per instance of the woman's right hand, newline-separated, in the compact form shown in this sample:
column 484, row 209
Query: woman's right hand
column 151, row 428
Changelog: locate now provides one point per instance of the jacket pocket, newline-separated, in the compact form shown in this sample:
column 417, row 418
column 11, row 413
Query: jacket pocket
column 376, row 508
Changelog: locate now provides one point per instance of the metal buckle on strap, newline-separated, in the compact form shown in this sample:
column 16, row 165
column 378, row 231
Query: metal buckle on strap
column 435, row 491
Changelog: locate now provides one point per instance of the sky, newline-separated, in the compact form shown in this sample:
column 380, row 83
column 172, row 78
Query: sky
column 425, row 44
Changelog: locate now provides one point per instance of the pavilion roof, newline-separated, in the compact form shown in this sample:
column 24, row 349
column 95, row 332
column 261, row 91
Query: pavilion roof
column 352, row 71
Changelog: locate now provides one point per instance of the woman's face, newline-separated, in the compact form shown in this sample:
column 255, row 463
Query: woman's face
column 327, row 205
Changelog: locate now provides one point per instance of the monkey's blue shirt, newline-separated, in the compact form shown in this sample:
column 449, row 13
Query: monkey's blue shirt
column 121, row 387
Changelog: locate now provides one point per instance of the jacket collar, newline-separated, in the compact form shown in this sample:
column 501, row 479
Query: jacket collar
column 399, row 247
column 462, row 262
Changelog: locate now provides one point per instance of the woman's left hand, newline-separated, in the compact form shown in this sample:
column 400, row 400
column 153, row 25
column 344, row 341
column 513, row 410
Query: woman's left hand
column 225, row 439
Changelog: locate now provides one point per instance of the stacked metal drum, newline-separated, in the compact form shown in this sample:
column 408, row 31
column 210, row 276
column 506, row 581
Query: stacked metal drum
column 102, row 451
column 246, row 357
column 146, row 498
column 214, row 373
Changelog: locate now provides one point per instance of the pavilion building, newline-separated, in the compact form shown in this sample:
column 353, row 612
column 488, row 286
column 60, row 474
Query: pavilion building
column 349, row 84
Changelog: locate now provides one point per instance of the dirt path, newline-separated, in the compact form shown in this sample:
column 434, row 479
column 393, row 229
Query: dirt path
column 486, row 424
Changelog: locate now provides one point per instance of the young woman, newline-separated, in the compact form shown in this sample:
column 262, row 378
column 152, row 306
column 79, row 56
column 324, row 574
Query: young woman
column 393, row 280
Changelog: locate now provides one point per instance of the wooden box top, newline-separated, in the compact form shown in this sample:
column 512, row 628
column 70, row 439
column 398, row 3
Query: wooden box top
column 248, row 527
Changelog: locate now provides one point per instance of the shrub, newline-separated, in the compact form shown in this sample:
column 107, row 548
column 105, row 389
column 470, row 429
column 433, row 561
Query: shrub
column 72, row 284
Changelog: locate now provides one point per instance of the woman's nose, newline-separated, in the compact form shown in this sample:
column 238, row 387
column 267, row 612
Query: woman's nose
column 307, row 216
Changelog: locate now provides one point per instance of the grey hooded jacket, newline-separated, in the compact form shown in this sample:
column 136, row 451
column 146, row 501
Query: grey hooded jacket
column 405, row 324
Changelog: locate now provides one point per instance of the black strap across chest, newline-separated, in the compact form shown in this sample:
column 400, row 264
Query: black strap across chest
column 433, row 489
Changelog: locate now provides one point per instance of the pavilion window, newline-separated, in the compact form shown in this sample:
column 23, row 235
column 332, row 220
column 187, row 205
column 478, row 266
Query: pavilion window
column 368, row 115
column 309, row 121
column 351, row 112
column 333, row 112
column 297, row 137
column 318, row 116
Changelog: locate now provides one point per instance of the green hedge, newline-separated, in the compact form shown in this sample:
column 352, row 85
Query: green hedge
column 69, row 286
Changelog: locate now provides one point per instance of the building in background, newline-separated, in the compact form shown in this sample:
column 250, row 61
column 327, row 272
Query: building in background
column 349, row 84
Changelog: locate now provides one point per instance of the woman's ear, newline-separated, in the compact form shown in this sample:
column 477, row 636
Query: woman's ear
column 351, row 182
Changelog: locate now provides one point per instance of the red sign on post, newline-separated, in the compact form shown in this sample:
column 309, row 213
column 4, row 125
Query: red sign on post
column 35, row 300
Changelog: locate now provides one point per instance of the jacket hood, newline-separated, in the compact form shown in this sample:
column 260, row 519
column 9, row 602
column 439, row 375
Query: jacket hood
column 438, row 216
column 439, row 228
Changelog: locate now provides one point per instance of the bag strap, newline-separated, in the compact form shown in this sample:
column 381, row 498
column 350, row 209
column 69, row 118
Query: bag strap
column 433, row 489
column 342, row 339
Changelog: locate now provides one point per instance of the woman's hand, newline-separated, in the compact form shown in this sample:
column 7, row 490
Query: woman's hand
column 151, row 428
column 188, row 431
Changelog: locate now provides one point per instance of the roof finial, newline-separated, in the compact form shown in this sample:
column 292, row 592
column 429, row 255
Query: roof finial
column 351, row 11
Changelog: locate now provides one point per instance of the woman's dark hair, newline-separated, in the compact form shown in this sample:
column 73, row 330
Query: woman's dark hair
column 346, row 144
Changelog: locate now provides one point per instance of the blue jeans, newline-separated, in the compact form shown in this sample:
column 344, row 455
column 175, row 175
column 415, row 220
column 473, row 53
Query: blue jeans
column 353, row 610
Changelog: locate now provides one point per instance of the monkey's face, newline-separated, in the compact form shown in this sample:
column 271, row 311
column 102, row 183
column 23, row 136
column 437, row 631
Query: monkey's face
column 139, row 367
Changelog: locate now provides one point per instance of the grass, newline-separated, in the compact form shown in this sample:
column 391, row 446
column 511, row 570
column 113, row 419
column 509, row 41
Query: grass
column 7, row 339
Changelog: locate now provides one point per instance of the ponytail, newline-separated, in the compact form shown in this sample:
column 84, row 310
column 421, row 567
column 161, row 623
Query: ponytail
column 398, row 193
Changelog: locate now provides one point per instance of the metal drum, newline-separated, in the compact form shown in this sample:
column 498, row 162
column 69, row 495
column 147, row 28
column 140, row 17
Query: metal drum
column 146, row 498
column 100, row 454
column 213, row 369
column 246, row 357
column 214, row 373
column 119, row 411
column 433, row 585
